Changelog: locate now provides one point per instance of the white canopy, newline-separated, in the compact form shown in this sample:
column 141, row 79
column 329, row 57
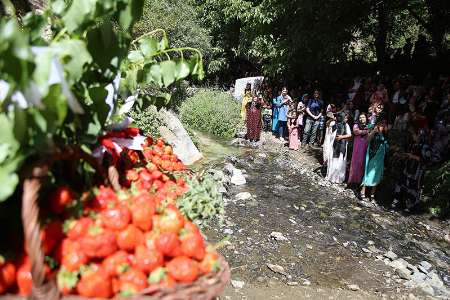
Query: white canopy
column 240, row 84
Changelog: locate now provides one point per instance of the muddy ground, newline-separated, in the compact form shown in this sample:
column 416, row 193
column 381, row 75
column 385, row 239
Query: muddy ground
column 298, row 237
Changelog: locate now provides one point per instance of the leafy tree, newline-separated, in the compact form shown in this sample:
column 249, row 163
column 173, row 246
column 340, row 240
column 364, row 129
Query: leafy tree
column 179, row 19
column 305, row 37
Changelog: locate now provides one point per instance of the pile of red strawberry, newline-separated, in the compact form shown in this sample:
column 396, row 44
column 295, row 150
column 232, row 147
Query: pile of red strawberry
column 120, row 242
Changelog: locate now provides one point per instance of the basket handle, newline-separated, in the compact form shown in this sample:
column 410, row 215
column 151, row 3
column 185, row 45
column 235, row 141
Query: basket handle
column 42, row 290
column 30, row 215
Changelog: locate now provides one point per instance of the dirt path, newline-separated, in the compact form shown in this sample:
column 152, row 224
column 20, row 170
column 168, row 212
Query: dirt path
column 297, row 237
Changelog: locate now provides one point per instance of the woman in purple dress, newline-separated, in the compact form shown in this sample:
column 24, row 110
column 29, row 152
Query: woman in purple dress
column 360, row 131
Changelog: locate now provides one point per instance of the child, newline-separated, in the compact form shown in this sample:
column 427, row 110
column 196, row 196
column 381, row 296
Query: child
column 292, row 123
column 267, row 115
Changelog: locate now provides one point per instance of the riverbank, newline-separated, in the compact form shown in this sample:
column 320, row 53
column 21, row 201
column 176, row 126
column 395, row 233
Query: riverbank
column 294, row 235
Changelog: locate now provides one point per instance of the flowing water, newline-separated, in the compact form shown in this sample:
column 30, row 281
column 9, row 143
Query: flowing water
column 330, row 241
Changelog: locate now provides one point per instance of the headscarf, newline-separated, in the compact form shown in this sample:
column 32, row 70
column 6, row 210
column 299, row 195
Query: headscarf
column 341, row 145
column 361, row 126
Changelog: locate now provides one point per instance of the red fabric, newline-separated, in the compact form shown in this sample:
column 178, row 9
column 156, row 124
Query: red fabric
column 253, row 122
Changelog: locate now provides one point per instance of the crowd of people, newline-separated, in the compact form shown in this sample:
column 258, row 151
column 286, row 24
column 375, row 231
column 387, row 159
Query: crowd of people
column 359, row 125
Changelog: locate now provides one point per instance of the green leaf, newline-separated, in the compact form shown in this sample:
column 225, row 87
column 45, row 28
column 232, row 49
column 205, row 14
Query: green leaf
column 132, row 13
column 55, row 109
column 196, row 67
column 8, row 142
column 168, row 72
column 103, row 44
column 36, row 23
column 39, row 120
column 42, row 72
column 164, row 43
column 182, row 69
column 131, row 79
column 79, row 12
column 8, row 178
column 154, row 75
column 101, row 108
column 58, row 6
column 136, row 57
column 74, row 55
column 148, row 46
column 20, row 125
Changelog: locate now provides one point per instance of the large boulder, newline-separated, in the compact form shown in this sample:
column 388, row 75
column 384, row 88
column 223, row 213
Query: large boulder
column 174, row 133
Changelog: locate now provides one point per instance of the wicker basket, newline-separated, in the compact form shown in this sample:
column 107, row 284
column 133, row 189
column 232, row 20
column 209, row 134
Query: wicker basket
column 205, row 287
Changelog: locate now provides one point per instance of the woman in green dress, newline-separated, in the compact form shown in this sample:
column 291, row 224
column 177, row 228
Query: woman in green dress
column 376, row 152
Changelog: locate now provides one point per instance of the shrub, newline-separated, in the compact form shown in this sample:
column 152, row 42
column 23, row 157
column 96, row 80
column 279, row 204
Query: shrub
column 211, row 111
column 148, row 120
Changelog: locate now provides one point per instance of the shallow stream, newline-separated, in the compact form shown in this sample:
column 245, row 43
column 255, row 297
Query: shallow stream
column 330, row 241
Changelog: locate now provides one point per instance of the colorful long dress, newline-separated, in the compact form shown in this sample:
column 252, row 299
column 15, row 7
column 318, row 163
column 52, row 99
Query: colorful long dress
column 358, row 155
column 245, row 100
column 336, row 164
column 293, row 133
column 253, row 121
column 276, row 103
column 374, row 168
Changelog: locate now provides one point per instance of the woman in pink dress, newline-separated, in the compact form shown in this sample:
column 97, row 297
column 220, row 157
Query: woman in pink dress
column 360, row 131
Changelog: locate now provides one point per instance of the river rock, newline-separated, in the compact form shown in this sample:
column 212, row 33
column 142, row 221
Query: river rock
column 425, row 267
column 240, row 142
column 277, row 269
column 218, row 175
column 278, row 236
column 403, row 273
column 237, row 177
column 243, row 196
column 391, row 255
column 221, row 189
column 241, row 133
column 228, row 168
column 353, row 287
column 174, row 133
column 237, row 284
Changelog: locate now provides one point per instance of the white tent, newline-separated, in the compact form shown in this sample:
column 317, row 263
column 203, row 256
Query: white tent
column 240, row 84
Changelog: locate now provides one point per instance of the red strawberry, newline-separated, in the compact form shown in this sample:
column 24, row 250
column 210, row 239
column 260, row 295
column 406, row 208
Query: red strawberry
column 78, row 228
column 148, row 259
column 129, row 238
column 210, row 263
column 95, row 282
column 72, row 257
column 132, row 282
column 51, row 235
column 142, row 213
column 183, row 269
column 168, row 243
column 7, row 276
column 116, row 263
column 116, row 218
column 99, row 242
column 170, row 221
column 60, row 198
column 192, row 245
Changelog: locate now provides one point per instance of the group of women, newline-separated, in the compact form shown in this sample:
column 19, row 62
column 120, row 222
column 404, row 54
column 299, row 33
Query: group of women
column 414, row 118
column 370, row 147
column 368, row 134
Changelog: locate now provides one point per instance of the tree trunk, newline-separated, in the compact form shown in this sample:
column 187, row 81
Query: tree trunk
column 381, row 37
